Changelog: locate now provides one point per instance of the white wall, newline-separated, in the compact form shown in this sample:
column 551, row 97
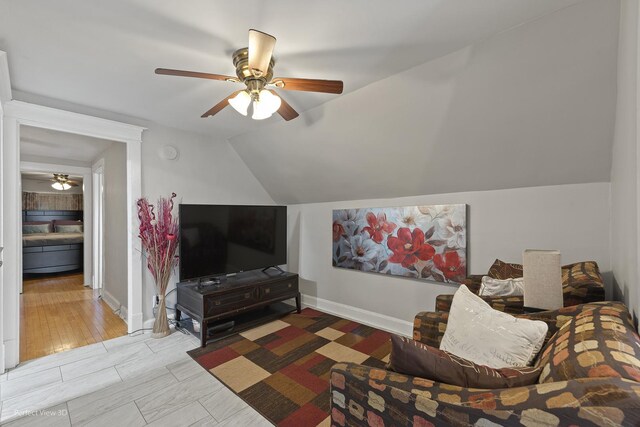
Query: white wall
column 501, row 224
column 624, row 168
column 115, row 225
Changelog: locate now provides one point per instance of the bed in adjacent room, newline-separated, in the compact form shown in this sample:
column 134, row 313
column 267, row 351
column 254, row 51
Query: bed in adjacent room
column 52, row 241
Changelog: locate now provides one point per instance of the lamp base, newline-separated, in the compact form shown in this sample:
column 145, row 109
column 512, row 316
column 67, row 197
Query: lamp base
column 530, row 310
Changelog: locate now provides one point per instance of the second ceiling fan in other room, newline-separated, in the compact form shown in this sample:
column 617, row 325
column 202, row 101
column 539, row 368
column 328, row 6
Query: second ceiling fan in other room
column 254, row 68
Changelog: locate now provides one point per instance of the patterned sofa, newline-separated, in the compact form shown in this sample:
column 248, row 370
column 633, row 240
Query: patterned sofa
column 590, row 373
column 581, row 284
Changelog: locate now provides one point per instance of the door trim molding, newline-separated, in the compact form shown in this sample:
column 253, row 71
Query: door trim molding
column 18, row 113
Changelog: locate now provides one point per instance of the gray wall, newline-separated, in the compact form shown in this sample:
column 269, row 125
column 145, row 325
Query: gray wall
column 115, row 222
column 624, row 169
column 501, row 224
column 207, row 170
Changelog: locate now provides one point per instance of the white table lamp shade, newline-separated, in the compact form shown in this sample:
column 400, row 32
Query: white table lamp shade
column 542, row 276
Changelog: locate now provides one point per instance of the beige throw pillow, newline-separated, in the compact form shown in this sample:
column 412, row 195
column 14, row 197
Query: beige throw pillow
column 491, row 287
column 485, row 336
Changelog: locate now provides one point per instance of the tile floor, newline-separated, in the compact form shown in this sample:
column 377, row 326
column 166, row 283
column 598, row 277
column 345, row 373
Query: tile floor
column 126, row 381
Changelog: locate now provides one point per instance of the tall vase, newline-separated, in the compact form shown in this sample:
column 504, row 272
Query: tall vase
column 161, row 325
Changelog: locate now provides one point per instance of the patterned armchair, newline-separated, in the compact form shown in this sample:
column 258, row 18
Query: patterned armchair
column 589, row 377
column 581, row 284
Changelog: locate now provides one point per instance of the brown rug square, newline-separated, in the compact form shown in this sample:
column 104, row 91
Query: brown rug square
column 282, row 368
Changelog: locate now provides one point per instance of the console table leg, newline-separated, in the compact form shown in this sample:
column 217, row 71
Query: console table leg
column 203, row 333
column 298, row 303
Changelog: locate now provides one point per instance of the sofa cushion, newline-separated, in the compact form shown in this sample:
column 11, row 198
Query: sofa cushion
column 413, row 358
column 598, row 342
column 477, row 332
column 504, row 270
column 491, row 287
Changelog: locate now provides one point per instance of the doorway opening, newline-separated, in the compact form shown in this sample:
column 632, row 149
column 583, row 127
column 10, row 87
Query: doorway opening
column 63, row 246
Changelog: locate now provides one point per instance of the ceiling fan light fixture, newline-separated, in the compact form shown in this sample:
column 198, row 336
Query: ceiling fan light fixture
column 61, row 186
column 266, row 105
column 241, row 102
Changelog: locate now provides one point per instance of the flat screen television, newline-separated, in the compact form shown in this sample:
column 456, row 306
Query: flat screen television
column 222, row 239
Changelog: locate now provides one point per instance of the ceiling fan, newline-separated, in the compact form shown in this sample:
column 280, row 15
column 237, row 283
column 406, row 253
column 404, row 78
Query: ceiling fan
column 254, row 68
column 62, row 182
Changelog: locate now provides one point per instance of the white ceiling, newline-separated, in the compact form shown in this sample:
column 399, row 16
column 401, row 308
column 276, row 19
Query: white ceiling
column 102, row 54
column 60, row 145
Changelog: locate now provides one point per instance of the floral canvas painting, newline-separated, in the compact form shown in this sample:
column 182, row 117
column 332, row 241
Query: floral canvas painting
column 422, row 242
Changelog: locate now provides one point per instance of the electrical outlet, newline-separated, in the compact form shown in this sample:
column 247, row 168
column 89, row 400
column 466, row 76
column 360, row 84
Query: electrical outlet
column 156, row 301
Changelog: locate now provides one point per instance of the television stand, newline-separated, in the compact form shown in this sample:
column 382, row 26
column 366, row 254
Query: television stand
column 237, row 298
column 274, row 266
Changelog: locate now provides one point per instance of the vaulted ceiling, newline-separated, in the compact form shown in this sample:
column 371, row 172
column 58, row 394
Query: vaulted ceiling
column 531, row 106
column 103, row 54
column 440, row 95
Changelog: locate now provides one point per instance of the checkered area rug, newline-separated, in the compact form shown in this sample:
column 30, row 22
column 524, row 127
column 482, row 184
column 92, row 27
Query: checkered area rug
column 282, row 368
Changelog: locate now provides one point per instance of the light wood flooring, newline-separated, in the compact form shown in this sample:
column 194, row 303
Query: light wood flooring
column 58, row 313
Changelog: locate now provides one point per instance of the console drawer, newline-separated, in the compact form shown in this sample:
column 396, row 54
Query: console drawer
column 222, row 303
column 274, row 290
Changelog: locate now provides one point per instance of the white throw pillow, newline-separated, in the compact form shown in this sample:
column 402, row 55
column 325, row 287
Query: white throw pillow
column 491, row 287
column 477, row 332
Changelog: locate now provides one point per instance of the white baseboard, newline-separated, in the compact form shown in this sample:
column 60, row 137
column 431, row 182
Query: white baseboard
column 11, row 354
column 124, row 313
column 114, row 304
column 376, row 320
column 370, row 318
column 110, row 300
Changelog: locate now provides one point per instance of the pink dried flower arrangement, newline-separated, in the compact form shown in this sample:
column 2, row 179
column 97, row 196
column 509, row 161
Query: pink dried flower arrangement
column 158, row 234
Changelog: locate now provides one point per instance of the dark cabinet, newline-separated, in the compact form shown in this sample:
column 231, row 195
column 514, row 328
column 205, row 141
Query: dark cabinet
column 211, row 303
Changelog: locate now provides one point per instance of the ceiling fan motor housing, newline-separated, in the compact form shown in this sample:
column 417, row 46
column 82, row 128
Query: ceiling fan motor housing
column 254, row 81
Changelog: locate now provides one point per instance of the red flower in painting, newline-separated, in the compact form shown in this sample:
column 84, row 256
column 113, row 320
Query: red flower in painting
column 409, row 247
column 338, row 231
column 378, row 225
column 450, row 264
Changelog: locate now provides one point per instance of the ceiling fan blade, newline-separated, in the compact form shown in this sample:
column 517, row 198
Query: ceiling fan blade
column 260, row 51
column 196, row 74
column 309, row 85
column 220, row 105
column 286, row 111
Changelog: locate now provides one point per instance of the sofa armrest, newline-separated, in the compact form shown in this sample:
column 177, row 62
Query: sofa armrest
column 363, row 395
column 556, row 318
column 428, row 327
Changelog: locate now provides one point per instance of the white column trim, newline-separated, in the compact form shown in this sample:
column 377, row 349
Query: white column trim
column 5, row 95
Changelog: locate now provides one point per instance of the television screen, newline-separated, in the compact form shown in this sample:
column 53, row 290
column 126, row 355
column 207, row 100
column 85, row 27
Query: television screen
column 224, row 239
